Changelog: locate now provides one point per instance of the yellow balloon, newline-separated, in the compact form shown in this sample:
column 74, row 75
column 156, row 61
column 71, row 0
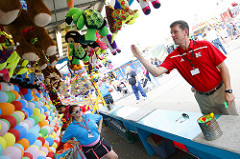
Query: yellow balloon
column 45, row 136
column 10, row 139
column 34, row 146
column 43, row 153
column 55, row 145
column 36, row 111
column 3, row 143
column 41, row 117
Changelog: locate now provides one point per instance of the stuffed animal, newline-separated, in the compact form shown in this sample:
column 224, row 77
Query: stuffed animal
column 119, row 15
column 112, row 46
column 91, row 18
column 26, row 49
column 145, row 5
column 10, row 10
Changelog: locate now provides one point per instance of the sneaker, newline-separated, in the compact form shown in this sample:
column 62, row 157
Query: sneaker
column 137, row 101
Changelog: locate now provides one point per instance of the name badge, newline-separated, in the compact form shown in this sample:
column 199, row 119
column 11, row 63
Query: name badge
column 195, row 71
column 90, row 135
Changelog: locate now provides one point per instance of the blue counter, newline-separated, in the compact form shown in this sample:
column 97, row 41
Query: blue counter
column 165, row 123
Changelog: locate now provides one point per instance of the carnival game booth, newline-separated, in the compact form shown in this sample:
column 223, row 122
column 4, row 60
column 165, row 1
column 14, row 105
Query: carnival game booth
column 160, row 129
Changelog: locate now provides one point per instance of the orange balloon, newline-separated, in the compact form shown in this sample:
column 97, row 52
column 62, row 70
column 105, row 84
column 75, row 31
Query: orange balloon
column 45, row 145
column 43, row 123
column 6, row 109
column 15, row 94
column 24, row 142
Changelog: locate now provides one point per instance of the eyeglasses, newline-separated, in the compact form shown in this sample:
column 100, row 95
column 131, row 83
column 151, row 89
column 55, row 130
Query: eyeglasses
column 77, row 111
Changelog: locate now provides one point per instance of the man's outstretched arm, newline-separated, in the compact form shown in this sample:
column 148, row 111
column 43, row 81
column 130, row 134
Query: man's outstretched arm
column 155, row 71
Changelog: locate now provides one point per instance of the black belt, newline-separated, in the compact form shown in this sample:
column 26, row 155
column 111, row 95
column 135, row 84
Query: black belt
column 212, row 91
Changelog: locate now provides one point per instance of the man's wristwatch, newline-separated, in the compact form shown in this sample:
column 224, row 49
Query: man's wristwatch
column 228, row 91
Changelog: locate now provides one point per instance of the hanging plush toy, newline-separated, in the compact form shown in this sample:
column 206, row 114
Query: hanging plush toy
column 77, row 52
column 119, row 15
column 10, row 10
column 112, row 46
column 91, row 18
column 145, row 5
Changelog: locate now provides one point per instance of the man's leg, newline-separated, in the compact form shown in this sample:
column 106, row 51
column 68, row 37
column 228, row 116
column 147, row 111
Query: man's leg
column 221, row 46
column 215, row 103
column 141, row 90
column 135, row 91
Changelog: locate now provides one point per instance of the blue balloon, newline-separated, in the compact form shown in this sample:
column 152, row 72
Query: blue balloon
column 4, row 157
column 45, row 109
column 28, row 97
column 31, row 138
column 22, row 130
column 50, row 141
column 24, row 104
column 1, row 150
column 30, row 111
column 41, row 157
column 34, row 131
column 37, row 127
column 4, row 97
column 16, row 88
column 0, row 111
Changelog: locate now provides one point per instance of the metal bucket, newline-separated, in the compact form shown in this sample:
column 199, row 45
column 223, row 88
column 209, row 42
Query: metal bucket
column 210, row 129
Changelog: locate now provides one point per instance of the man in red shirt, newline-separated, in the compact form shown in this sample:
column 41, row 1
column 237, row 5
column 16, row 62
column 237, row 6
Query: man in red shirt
column 202, row 66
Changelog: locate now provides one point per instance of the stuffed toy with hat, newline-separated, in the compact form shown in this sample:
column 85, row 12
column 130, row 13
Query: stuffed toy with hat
column 119, row 15
column 145, row 5
column 91, row 18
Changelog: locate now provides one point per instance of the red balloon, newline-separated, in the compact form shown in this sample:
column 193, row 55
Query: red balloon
column 17, row 104
column 24, row 90
column 16, row 133
column 41, row 139
column 57, row 142
column 27, row 154
column 51, row 154
column 11, row 120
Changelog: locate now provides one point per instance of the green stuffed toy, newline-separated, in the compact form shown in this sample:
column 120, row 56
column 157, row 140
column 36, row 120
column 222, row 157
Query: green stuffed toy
column 77, row 52
column 92, row 19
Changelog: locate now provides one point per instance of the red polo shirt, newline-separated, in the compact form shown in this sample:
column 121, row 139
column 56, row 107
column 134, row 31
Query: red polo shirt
column 206, row 58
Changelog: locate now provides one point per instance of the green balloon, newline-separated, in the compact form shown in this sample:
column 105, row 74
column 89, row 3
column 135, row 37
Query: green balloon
column 35, row 118
column 25, row 158
column 11, row 96
column 16, row 117
column 44, row 132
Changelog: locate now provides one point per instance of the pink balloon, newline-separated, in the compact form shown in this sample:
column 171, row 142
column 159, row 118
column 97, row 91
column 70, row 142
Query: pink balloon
column 30, row 124
column 19, row 115
column 44, row 149
column 13, row 152
column 4, row 128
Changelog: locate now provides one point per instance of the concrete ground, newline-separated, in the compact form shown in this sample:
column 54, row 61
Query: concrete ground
column 173, row 93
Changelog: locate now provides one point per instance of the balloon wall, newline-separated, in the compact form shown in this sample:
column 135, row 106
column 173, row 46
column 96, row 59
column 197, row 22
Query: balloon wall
column 29, row 124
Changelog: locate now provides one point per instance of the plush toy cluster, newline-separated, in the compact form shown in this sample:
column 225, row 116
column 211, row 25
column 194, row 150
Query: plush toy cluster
column 31, row 48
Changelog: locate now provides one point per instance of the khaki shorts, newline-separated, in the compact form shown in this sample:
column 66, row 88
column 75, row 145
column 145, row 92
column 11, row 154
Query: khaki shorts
column 215, row 103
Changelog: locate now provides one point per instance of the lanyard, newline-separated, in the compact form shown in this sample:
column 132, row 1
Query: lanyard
column 84, row 126
column 186, row 54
